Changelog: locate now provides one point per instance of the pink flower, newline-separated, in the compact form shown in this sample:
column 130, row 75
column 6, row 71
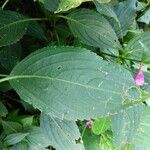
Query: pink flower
column 89, row 123
column 139, row 78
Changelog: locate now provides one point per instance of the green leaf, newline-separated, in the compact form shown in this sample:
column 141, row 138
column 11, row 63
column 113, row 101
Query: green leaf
column 36, row 139
column 141, row 148
column 65, row 5
column 145, row 18
column 63, row 31
column 3, row 110
column 126, row 13
column 106, row 141
column 101, row 125
column 50, row 5
column 90, row 140
column 10, row 56
column 5, row 86
column 12, row 139
column 20, row 146
column 60, row 133
column 146, row 86
column 35, row 30
column 139, row 47
column 11, row 127
column 93, row 29
column 12, row 27
column 27, row 121
column 107, row 10
column 67, row 82
column 125, row 125
column 103, row 1
column 142, row 137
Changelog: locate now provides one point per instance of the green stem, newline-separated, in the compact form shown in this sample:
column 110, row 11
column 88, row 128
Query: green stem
column 136, row 102
column 146, row 62
column 5, row 3
column 83, row 132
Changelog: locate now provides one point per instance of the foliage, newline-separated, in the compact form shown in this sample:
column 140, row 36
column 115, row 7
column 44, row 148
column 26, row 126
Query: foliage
column 70, row 61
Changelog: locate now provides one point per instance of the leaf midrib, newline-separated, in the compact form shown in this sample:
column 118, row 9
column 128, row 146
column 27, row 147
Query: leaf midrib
column 21, row 21
column 56, row 79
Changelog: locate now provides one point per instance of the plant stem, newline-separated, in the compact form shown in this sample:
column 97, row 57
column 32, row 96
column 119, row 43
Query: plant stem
column 147, row 62
column 5, row 3
column 83, row 132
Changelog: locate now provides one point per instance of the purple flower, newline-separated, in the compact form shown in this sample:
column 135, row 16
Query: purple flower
column 89, row 123
column 139, row 78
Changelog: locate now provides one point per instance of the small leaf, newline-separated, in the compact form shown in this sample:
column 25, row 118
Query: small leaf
column 12, row 27
column 10, row 56
column 101, row 125
column 3, row 110
column 145, row 18
column 27, row 121
column 12, row 139
column 50, row 5
column 11, row 127
column 91, row 141
column 65, row 5
column 139, row 47
column 61, row 133
column 93, row 29
column 35, row 30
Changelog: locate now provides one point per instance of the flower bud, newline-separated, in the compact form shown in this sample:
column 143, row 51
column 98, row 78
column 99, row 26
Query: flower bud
column 139, row 78
column 89, row 123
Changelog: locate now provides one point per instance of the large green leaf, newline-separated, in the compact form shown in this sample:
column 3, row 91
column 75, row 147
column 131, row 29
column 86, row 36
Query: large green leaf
column 12, row 27
column 65, row 5
column 125, row 125
column 72, row 83
column 139, row 47
column 60, row 133
column 142, row 137
column 93, row 29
